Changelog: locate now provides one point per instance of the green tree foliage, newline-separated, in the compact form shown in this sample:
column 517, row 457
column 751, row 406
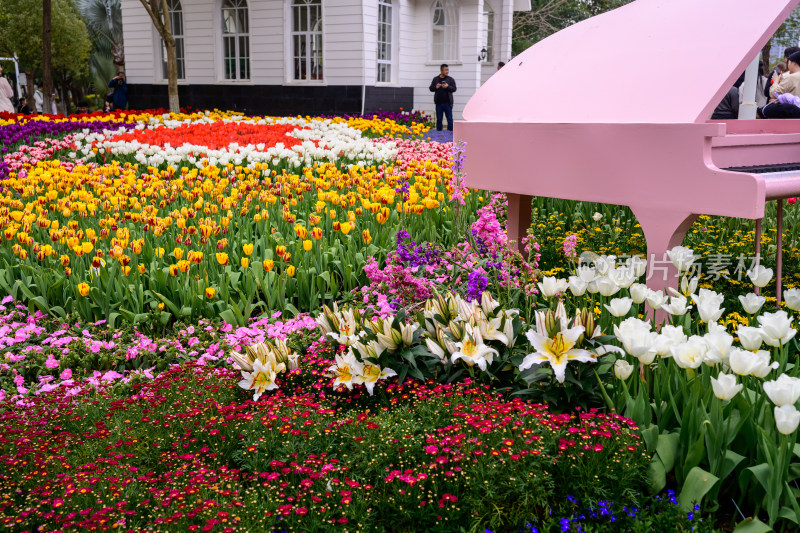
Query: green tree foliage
column 103, row 19
column 549, row 16
column 21, row 34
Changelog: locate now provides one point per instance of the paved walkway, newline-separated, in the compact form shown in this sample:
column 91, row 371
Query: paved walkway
column 444, row 136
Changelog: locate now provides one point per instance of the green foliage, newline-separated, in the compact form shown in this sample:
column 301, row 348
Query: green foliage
column 21, row 34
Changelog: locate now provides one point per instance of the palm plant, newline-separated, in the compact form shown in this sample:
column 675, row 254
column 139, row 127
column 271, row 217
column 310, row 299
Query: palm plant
column 104, row 20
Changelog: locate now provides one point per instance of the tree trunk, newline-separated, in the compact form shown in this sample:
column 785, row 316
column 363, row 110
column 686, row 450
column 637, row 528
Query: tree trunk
column 159, row 14
column 47, row 74
column 118, row 55
column 765, row 53
column 30, row 87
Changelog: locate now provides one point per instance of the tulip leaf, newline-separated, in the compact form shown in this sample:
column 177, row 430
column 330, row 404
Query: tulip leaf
column 752, row 525
column 730, row 462
column 667, row 449
column 760, row 472
column 228, row 316
column 695, row 487
column 656, row 476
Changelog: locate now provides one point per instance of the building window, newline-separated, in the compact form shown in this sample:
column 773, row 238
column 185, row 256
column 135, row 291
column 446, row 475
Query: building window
column 176, row 21
column 488, row 22
column 445, row 31
column 306, row 40
column 384, row 41
column 235, row 40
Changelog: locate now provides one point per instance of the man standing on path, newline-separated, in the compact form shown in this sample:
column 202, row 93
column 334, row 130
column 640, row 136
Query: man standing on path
column 120, row 91
column 443, row 87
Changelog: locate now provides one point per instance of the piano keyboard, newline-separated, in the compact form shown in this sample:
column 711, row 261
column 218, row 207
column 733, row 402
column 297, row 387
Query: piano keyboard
column 783, row 170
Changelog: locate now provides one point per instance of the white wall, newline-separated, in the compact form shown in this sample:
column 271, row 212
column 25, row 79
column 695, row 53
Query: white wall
column 349, row 45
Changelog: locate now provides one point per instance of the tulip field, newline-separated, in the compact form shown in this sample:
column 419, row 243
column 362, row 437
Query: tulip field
column 219, row 322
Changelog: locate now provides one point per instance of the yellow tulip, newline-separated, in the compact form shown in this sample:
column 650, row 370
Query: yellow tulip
column 222, row 258
column 83, row 289
column 159, row 252
column 245, row 262
column 268, row 264
column 345, row 228
column 316, row 233
column 178, row 253
column 290, row 271
column 247, row 249
column 366, row 236
column 210, row 292
column 307, row 245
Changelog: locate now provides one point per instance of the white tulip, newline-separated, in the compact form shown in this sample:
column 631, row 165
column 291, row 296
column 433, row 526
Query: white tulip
column 760, row 275
column 783, row 391
column 623, row 277
column 752, row 303
column 708, row 305
column 670, row 336
column 623, row 369
column 787, row 418
column 682, row 257
column 550, row 286
column 605, row 264
column 725, row 387
column 637, row 264
column 638, row 292
column 777, row 328
column 587, row 273
column 597, row 216
column 719, row 343
column 792, row 299
column 750, row 338
column 747, row 363
column 656, row 299
column 619, row 307
column 637, row 339
column 677, row 306
column 606, row 286
column 577, row 286
column 691, row 353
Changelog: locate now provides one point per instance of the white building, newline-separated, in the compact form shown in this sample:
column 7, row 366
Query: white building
column 317, row 56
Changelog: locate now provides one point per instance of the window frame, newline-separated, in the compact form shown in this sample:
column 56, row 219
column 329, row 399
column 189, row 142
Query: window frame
column 390, row 32
column 180, row 49
column 449, row 9
column 237, row 37
column 290, row 8
column 490, row 18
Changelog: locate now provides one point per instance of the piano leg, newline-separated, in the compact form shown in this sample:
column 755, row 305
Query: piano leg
column 779, row 253
column 519, row 218
column 758, row 249
column 663, row 230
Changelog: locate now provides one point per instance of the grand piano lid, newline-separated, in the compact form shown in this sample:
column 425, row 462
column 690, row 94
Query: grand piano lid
column 651, row 61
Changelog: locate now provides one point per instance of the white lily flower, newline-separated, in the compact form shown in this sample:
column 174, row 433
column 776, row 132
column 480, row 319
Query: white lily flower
column 488, row 304
column 752, row 303
column 472, row 350
column 371, row 374
column 556, row 351
column 345, row 369
column 260, row 380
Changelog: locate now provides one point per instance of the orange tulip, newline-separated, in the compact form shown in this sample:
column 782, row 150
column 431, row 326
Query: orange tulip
column 83, row 289
column 222, row 258
column 366, row 236
column 268, row 264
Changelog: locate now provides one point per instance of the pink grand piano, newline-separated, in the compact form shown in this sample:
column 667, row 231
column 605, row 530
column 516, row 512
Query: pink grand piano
column 614, row 109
